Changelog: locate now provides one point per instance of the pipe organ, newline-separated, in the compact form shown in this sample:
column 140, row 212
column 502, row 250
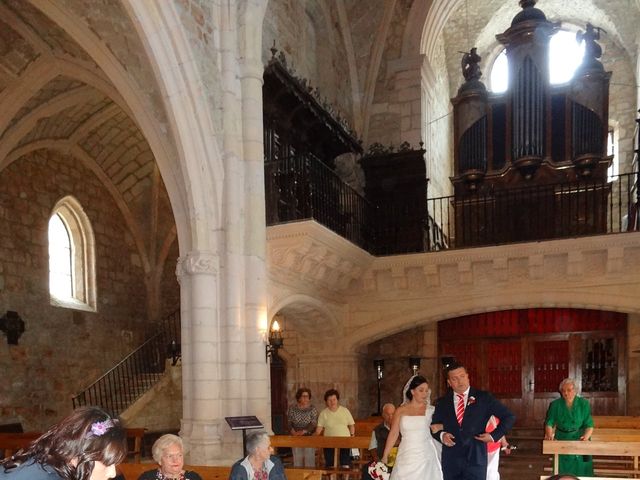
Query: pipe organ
column 535, row 135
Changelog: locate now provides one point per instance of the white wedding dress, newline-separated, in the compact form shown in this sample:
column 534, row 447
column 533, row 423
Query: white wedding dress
column 418, row 458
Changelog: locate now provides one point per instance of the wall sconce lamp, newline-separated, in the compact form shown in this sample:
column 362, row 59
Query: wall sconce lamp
column 447, row 361
column 274, row 341
column 174, row 351
column 12, row 326
column 379, row 366
column 414, row 364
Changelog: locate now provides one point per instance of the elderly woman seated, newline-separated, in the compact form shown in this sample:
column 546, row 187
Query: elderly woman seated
column 168, row 451
column 260, row 464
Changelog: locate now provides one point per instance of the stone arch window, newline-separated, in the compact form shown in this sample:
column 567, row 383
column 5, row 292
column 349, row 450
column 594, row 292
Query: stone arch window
column 72, row 282
column 565, row 55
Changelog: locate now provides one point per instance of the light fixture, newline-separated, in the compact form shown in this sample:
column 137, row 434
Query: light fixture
column 447, row 361
column 414, row 364
column 378, row 364
column 174, row 351
column 274, row 341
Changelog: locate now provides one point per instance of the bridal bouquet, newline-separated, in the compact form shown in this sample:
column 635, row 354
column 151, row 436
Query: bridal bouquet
column 378, row 471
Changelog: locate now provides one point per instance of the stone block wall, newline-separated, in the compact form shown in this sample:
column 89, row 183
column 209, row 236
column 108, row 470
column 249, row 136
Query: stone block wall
column 396, row 350
column 62, row 349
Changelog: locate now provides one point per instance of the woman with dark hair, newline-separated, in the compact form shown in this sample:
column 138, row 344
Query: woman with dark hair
column 335, row 421
column 417, row 455
column 86, row 445
column 303, row 418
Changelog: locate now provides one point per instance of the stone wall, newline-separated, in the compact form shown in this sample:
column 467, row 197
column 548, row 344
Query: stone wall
column 396, row 350
column 160, row 408
column 334, row 329
column 308, row 34
column 62, row 349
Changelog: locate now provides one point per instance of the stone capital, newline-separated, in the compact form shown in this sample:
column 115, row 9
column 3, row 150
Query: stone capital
column 197, row 263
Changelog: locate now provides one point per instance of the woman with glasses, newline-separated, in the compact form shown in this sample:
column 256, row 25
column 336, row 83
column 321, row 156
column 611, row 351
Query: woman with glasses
column 168, row 452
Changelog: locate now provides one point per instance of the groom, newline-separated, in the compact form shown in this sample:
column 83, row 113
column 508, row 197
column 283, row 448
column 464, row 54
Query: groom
column 462, row 415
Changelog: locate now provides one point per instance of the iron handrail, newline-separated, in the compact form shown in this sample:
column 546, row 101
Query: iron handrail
column 301, row 188
column 117, row 388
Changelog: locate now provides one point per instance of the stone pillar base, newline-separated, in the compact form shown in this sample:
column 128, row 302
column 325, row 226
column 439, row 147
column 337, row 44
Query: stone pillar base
column 203, row 442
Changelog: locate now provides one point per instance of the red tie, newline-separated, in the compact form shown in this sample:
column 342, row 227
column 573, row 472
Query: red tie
column 460, row 408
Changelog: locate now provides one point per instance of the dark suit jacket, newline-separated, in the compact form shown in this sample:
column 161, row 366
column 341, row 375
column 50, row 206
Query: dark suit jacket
column 480, row 406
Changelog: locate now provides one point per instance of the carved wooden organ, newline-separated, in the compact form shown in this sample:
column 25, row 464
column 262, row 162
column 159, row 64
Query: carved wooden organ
column 533, row 135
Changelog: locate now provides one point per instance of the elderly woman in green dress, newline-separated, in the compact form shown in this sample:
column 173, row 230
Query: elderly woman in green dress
column 569, row 418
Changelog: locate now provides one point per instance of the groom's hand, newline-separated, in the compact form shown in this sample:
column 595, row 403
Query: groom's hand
column 484, row 437
column 448, row 439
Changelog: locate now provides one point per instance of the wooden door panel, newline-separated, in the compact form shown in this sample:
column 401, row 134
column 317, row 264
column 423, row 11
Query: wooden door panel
column 550, row 364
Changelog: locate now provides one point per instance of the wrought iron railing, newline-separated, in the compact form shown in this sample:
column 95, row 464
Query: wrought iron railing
column 137, row 372
column 539, row 212
column 302, row 188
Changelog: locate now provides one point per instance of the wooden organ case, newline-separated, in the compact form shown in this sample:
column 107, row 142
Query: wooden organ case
column 524, row 159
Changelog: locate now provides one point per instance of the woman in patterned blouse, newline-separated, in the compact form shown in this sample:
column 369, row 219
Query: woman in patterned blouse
column 303, row 418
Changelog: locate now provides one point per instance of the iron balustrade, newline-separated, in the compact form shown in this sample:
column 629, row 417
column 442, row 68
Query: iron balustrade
column 302, row 188
column 540, row 212
column 136, row 373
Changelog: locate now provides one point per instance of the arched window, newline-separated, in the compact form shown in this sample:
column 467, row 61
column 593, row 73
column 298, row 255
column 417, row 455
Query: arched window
column 72, row 280
column 565, row 55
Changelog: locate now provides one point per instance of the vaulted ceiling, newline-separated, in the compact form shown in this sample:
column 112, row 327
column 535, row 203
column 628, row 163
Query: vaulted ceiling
column 54, row 96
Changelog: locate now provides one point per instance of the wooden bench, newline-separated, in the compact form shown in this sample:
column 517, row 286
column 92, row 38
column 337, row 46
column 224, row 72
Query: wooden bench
column 545, row 477
column 629, row 451
column 364, row 426
column 612, row 421
column 317, row 441
column 132, row 471
column 10, row 443
column 616, row 435
column 136, row 435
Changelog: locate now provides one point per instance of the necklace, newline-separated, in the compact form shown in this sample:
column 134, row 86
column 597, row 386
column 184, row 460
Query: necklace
column 161, row 476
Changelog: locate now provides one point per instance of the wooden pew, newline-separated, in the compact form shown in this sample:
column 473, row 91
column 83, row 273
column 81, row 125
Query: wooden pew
column 10, row 443
column 616, row 435
column 545, row 477
column 137, row 435
column 612, row 421
column 631, row 450
column 132, row 471
column 364, row 426
column 316, row 441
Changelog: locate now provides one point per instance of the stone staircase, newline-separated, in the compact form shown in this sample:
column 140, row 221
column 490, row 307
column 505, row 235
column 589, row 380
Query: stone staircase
column 527, row 462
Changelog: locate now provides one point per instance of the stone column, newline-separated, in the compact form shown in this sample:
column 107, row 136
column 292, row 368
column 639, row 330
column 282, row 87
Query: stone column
column 201, row 365
column 257, row 370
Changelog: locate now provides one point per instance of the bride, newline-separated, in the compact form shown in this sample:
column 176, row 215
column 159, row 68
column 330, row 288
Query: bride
column 417, row 455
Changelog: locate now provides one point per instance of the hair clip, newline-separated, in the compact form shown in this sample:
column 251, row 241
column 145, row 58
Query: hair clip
column 100, row 428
